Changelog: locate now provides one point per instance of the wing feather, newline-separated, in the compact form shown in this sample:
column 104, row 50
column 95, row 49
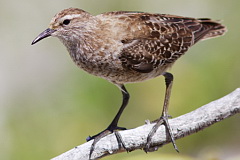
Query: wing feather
column 164, row 40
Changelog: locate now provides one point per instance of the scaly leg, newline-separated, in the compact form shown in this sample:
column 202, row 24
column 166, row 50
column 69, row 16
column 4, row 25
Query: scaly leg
column 113, row 126
column 164, row 117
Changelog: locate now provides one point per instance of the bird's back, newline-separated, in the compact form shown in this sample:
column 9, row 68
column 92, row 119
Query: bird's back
column 201, row 28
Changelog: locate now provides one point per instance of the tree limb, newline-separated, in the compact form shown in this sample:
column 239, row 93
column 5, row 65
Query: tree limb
column 182, row 126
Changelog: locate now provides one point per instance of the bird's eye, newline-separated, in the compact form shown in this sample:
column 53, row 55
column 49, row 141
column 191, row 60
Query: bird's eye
column 66, row 21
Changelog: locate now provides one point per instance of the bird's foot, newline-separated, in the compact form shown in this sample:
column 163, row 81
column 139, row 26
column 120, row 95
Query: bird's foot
column 104, row 133
column 162, row 120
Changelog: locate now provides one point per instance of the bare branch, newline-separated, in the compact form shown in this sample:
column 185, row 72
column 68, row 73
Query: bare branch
column 182, row 126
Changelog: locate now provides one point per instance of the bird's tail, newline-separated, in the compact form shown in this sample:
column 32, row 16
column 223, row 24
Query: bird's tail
column 209, row 29
column 216, row 30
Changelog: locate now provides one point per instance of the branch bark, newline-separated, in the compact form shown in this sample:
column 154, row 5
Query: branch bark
column 182, row 126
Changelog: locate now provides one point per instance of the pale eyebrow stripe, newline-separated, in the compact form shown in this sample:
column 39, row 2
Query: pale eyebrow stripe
column 70, row 16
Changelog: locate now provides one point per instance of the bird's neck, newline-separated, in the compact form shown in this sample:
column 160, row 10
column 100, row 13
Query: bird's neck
column 91, row 49
column 84, row 50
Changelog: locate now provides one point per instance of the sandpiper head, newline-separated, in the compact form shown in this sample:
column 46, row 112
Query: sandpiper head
column 63, row 23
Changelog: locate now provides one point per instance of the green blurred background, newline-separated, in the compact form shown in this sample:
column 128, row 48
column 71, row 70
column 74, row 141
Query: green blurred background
column 48, row 105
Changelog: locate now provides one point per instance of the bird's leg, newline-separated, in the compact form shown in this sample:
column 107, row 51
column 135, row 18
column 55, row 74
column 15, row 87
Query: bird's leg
column 113, row 125
column 164, row 117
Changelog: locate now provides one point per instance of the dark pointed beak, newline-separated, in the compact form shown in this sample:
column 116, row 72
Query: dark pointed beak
column 48, row 32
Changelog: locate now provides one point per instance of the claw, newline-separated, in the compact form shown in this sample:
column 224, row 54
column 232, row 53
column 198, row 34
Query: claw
column 151, row 133
column 104, row 133
column 162, row 120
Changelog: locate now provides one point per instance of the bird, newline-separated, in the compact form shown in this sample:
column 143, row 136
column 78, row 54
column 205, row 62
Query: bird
column 129, row 47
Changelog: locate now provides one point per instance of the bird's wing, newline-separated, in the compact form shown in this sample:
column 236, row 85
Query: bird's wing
column 154, row 40
column 160, row 40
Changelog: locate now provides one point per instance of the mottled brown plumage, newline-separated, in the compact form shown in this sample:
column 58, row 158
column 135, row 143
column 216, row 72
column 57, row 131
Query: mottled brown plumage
column 126, row 47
